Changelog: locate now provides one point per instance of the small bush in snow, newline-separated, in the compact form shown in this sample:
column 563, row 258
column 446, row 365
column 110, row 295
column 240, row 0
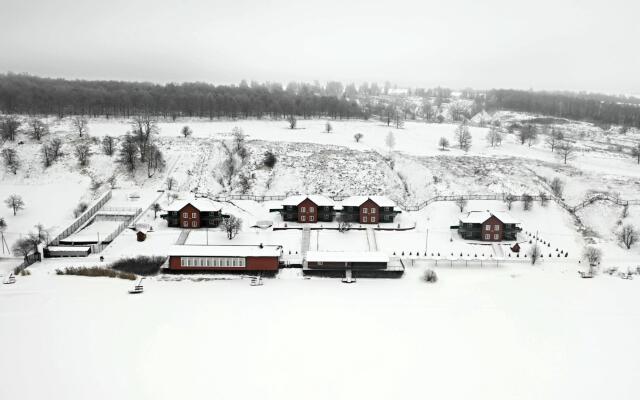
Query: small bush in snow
column 95, row 272
column 140, row 265
column 80, row 208
column 430, row 276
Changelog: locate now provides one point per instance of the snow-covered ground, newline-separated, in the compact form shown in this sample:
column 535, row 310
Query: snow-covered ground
column 512, row 331
column 492, row 333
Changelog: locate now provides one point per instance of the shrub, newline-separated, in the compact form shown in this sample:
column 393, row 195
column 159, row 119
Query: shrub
column 269, row 160
column 140, row 265
column 96, row 271
column 430, row 276
column 80, row 208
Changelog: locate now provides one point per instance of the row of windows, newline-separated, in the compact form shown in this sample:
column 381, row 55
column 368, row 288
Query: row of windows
column 311, row 209
column 488, row 227
column 212, row 262
column 303, row 218
column 194, row 224
column 495, row 237
column 186, row 215
column 366, row 210
column 364, row 219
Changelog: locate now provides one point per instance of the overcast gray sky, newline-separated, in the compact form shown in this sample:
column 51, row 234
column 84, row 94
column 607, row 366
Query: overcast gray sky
column 543, row 44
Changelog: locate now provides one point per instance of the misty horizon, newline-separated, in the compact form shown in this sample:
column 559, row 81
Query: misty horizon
column 556, row 46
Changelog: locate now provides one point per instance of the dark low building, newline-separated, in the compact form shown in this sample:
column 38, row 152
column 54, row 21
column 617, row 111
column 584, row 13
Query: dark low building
column 197, row 213
column 307, row 209
column 487, row 226
column 368, row 209
column 351, row 264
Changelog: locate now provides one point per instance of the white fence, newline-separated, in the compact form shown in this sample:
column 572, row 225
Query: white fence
column 78, row 222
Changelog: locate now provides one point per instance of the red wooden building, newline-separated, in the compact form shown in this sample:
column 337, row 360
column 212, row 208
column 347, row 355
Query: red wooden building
column 487, row 226
column 368, row 209
column 228, row 258
column 307, row 209
column 196, row 213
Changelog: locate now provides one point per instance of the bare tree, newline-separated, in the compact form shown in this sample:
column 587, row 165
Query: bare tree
column 9, row 126
column 528, row 134
column 171, row 183
column 47, row 156
column 566, row 151
column 231, row 226
column 112, row 180
column 55, row 145
column 509, row 199
column 390, row 140
column 343, row 224
column 127, row 153
column 398, row 119
column 635, row 152
column 463, row 136
column 543, row 199
column 593, row 255
column 625, row 211
column 443, row 143
column 80, row 125
column 269, row 159
column 534, row 253
column 358, row 137
column 38, row 129
column 494, row 137
column 292, row 121
column 327, row 127
column 628, row 235
column 108, row 145
column 22, row 247
column 11, row 160
column 143, row 128
column 527, row 202
column 156, row 208
column 15, row 203
column 461, row 202
column 186, row 131
column 554, row 138
column 557, row 187
column 83, row 154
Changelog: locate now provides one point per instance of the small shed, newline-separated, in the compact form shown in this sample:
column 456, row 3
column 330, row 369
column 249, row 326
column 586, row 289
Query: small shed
column 515, row 248
column 141, row 236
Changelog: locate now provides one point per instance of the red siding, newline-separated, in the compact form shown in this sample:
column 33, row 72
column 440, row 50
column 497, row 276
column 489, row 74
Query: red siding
column 252, row 264
column 308, row 204
column 492, row 222
column 369, row 205
column 190, row 220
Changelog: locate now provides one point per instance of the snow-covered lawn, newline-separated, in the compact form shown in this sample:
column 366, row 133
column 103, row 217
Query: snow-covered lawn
column 492, row 333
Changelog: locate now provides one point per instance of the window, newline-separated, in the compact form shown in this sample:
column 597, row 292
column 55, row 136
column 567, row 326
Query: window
column 364, row 219
column 373, row 211
column 487, row 237
column 496, row 227
column 310, row 209
column 496, row 237
column 365, row 210
column 303, row 218
column 373, row 219
column 303, row 209
column 193, row 215
column 310, row 218
column 194, row 224
column 183, row 261
column 185, row 224
column 185, row 215
column 487, row 227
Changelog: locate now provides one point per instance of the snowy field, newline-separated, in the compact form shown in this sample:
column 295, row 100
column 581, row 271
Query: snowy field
column 511, row 333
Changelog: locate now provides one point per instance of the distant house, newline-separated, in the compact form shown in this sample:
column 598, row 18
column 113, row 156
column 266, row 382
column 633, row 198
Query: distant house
column 368, row 209
column 307, row 209
column 226, row 258
column 197, row 213
column 488, row 226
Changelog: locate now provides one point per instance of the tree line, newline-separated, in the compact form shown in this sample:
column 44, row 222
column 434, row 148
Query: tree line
column 26, row 94
column 602, row 109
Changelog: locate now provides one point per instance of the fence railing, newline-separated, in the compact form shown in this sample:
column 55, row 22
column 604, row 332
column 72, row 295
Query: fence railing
column 78, row 222
column 28, row 260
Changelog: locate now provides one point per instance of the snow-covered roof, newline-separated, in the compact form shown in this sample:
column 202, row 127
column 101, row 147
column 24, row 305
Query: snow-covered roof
column 344, row 256
column 68, row 248
column 357, row 201
column 202, row 204
column 319, row 200
column 225, row 251
column 478, row 217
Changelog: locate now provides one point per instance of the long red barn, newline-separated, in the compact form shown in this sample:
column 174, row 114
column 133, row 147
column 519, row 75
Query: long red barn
column 224, row 258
